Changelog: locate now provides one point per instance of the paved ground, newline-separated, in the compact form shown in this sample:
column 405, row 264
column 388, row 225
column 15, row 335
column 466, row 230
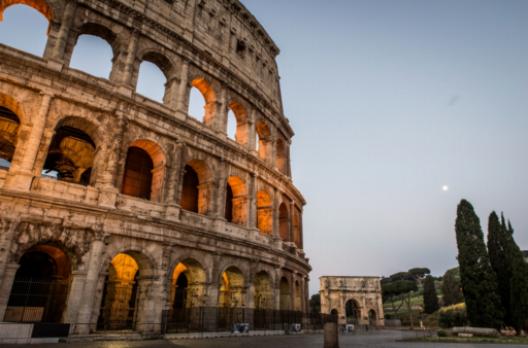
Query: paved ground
column 380, row 339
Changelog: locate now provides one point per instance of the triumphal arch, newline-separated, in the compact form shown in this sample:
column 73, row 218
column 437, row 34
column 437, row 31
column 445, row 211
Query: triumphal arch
column 354, row 300
column 118, row 211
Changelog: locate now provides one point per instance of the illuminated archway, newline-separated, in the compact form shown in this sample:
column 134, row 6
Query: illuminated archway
column 41, row 286
column 202, row 101
column 236, row 201
column 237, row 123
column 195, row 191
column 263, row 140
column 264, row 212
column 284, row 222
column 9, row 125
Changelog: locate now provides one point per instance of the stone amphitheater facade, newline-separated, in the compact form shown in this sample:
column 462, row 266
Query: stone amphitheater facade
column 126, row 210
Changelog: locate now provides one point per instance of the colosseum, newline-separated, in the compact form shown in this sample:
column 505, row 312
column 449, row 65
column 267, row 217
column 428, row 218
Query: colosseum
column 119, row 212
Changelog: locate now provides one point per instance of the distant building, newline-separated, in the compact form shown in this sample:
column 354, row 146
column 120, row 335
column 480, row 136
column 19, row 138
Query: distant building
column 355, row 300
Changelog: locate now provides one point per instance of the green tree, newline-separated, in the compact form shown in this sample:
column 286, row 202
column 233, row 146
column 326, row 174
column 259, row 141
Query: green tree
column 430, row 297
column 501, row 262
column 479, row 283
column 519, row 281
column 451, row 288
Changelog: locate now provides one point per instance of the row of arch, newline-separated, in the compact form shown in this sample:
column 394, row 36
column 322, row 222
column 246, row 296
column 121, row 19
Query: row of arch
column 195, row 94
column 352, row 314
column 43, row 280
column 72, row 157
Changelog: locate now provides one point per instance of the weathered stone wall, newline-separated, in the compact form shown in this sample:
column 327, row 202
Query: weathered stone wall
column 365, row 292
column 216, row 46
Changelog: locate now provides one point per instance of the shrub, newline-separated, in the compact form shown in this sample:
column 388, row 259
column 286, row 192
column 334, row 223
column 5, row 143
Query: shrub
column 442, row 333
column 453, row 316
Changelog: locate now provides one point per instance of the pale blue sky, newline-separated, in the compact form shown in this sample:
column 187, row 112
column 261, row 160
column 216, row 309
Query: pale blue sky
column 391, row 100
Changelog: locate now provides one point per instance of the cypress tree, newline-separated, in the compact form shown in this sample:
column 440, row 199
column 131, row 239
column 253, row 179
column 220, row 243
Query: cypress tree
column 451, row 288
column 519, row 282
column 500, row 262
column 479, row 284
column 429, row 296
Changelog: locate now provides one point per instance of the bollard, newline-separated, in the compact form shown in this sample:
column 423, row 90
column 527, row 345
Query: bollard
column 331, row 337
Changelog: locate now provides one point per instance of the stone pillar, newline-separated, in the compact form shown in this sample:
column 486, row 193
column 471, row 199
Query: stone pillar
column 83, row 323
column 174, row 183
column 252, row 201
column 123, row 68
column 222, row 110
column 220, row 192
column 331, row 335
column 252, row 132
column 20, row 175
column 150, row 306
column 75, row 297
column 171, row 96
column 272, row 155
column 275, row 214
column 56, row 45
column 6, row 285
column 183, row 90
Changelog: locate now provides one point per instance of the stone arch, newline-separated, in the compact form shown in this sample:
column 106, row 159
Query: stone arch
column 285, row 294
column 72, row 151
column 352, row 311
column 284, row 222
column 263, row 139
column 124, row 292
column 263, row 297
column 236, row 201
column 40, row 5
column 165, row 67
column 281, row 160
column 372, row 317
column 264, row 212
column 209, row 95
column 195, row 190
column 100, row 31
column 144, row 170
column 242, row 125
column 231, row 291
column 187, row 289
column 41, row 285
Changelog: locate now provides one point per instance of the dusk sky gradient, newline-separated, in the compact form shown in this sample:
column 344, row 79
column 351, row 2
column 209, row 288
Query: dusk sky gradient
column 391, row 100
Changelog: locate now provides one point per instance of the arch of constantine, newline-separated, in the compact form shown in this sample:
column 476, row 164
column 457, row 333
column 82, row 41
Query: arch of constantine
column 354, row 300
column 122, row 212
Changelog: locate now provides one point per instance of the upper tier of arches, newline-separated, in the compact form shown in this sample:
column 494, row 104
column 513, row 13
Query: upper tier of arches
column 126, row 58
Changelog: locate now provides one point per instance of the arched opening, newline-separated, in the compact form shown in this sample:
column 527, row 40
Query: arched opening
column 298, row 296
column 236, row 201
column 282, row 157
column 9, row 124
column 334, row 315
column 120, row 293
column 93, row 52
column 231, row 289
column 14, row 30
column 284, row 222
column 263, row 140
column 264, row 213
column 41, row 285
column 285, row 295
column 187, row 292
column 144, row 171
column 195, row 187
column 202, row 101
column 190, row 191
column 151, row 81
column 352, row 312
column 237, row 123
column 70, row 156
column 373, row 319
column 231, row 125
column 137, row 179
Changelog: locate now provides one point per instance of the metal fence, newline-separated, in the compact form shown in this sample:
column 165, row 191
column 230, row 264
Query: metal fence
column 210, row 319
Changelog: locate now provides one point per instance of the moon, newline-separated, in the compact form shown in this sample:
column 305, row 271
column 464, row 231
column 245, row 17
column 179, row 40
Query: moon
column 445, row 188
